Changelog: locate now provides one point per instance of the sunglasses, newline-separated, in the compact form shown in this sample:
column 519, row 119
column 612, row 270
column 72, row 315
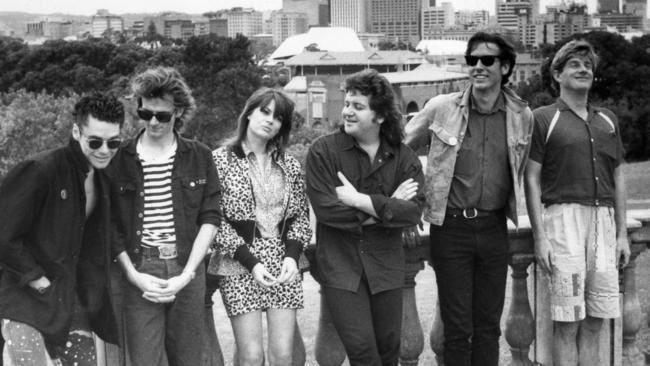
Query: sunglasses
column 96, row 143
column 485, row 60
column 147, row 115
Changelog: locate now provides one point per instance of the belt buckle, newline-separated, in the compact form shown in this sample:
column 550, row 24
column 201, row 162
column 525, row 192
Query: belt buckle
column 466, row 210
column 167, row 252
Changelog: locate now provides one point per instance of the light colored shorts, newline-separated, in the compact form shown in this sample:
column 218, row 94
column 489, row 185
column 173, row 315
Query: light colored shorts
column 585, row 277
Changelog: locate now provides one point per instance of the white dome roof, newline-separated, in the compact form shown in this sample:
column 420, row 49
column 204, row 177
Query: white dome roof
column 441, row 47
column 334, row 39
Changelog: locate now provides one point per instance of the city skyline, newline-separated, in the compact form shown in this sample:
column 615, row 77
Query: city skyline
column 89, row 7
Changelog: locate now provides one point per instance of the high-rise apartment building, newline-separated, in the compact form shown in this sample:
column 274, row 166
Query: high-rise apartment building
column 244, row 21
column 470, row 18
column 399, row 19
column 103, row 20
column 514, row 15
column 317, row 11
column 350, row 14
column 608, row 6
column 285, row 25
column 635, row 7
column 436, row 17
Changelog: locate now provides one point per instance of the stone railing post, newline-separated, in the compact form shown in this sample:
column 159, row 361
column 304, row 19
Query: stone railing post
column 520, row 324
column 412, row 342
column 632, row 313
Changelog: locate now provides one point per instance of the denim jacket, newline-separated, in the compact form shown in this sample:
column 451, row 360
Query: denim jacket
column 195, row 196
column 445, row 117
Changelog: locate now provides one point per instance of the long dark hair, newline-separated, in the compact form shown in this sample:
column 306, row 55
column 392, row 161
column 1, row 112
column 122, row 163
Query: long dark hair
column 283, row 112
column 381, row 100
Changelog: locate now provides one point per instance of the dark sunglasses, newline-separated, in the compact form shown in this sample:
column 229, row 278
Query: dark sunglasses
column 96, row 143
column 485, row 60
column 147, row 115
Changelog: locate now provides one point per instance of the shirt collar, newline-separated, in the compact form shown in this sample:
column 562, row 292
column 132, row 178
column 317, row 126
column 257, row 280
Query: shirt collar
column 385, row 149
column 562, row 106
column 247, row 151
column 499, row 105
column 77, row 156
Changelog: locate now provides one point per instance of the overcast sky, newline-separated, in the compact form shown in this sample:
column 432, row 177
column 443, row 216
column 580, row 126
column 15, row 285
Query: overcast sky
column 89, row 7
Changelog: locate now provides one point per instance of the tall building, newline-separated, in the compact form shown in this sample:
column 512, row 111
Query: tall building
column 622, row 22
column 514, row 15
column 179, row 29
column 635, row 7
column 244, row 21
column 396, row 18
column 436, row 17
column 317, row 11
column 49, row 28
column 608, row 6
column 350, row 14
column 103, row 21
column 219, row 26
column 287, row 24
column 471, row 18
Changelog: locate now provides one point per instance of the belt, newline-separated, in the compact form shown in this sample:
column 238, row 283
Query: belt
column 471, row 213
column 162, row 252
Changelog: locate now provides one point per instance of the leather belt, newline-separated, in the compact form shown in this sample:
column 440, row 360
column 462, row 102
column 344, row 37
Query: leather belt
column 471, row 213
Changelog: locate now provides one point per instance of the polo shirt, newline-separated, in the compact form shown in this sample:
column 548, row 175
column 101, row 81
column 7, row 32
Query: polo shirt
column 578, row 157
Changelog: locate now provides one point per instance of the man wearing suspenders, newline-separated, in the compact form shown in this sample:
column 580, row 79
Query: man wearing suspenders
column 580, row 235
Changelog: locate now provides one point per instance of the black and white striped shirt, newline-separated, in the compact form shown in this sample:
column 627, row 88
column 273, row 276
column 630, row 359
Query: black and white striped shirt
column 158, row 227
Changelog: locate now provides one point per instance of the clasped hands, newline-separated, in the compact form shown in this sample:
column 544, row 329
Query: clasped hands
column 265, row 279
column 157, row 289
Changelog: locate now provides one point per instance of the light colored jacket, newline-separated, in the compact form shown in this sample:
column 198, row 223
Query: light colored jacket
column 444, row 119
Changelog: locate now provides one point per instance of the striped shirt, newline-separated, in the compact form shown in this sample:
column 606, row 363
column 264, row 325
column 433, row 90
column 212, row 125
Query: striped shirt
column 158, row 228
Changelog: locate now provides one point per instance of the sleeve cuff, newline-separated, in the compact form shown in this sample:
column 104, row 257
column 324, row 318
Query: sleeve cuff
column 32, row 275
column 292, row 249
column 379, row 203
column 244, row 256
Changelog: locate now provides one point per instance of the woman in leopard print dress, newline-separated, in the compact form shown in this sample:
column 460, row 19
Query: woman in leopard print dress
column 264, row 229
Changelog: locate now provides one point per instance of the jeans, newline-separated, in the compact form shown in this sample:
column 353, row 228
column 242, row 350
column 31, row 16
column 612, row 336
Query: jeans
column 369, row 325
column 25, row 345
column 165, row 334
column 470, row 258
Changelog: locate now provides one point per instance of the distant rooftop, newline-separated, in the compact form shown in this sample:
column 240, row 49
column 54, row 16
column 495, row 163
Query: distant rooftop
column 424, row 73
column 333, row 39
column 442, row 47
column 355, row 58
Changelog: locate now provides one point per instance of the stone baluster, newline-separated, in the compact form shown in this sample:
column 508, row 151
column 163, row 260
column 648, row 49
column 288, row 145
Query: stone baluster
column 437, row 336
column 412, row 342
column 329, row 350
column 632, row 314
column 520, row 324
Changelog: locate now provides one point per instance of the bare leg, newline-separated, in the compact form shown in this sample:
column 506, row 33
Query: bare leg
column 565, row 347
column 589, row 341
column 247, row 329
column 282, row 325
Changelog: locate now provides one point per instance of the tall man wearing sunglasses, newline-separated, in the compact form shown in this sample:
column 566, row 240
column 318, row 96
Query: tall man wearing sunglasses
column 54, row 248
column 165, row 195
column 478, row 144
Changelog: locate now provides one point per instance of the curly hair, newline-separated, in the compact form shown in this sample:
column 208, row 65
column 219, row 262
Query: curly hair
column 283, row 112
column 381, row 100
column 576, row 47
column 507, row 51
column 102, row 106
column 165, row 83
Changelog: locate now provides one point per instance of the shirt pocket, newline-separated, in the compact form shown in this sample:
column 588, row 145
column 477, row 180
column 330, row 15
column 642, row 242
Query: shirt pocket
column 443, row 142
column 192, row 190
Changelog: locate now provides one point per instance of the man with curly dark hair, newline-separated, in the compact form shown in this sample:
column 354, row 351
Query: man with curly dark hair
column 54, row 243
column 165, row 196
column 363, row 186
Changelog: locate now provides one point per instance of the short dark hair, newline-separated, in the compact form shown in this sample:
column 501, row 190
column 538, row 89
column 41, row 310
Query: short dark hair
column 381, row 100
column 165, row 82
column 102, row 106
column 506, row 50
column 283, row 112
column 576, row 47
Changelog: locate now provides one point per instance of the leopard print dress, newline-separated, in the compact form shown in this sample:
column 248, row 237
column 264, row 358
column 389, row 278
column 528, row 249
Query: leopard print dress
column 267, row 195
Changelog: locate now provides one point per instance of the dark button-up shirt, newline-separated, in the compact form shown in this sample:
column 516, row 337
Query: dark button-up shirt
column 579, row 158
column 44, row 231
column 195, row 196
column 345, row 249
column 481, row 174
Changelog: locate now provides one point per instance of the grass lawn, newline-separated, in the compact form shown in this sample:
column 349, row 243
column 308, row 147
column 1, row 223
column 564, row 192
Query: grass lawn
column 638, row 188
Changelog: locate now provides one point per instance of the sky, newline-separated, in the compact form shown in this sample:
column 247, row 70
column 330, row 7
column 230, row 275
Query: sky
column 89, row 7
